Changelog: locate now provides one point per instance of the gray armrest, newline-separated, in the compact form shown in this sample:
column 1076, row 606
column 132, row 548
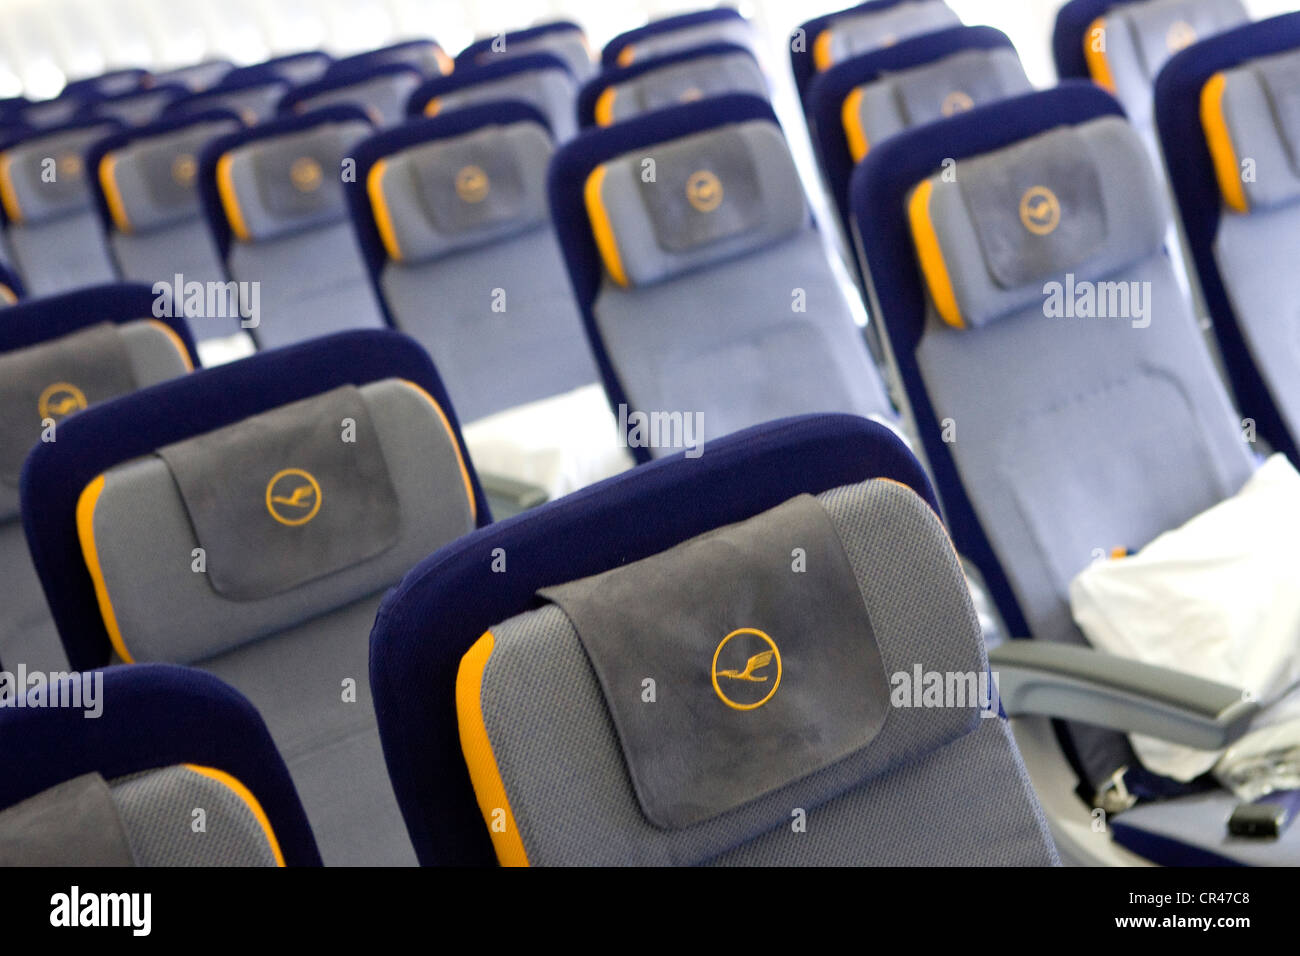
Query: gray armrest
column 509, row 496
column 1079, row 683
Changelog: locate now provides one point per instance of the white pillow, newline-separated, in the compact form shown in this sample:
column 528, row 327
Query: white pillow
column 1218, row 598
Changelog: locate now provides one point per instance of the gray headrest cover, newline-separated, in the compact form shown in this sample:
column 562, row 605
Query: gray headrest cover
column 73, row 823
column 52, row 380
column 766, row 675
column 46, row 176
column 287, row 496
column 1261, row 108
column 696, row 79
column 856, row 33
column 155, row 177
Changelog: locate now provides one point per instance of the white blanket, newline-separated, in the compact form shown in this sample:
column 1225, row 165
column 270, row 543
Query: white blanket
column 1218, row 598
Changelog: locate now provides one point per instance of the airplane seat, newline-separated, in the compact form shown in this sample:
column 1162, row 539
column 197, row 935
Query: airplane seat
column 273, row 197
column 381, row 89
column 561, row 38
column 681, row 76
column 542, row 80
column 253, row 97
column 868, row 27
column 122, row 789
column 706, row 288
column 454, row 213
column 144, row 183
column 295, row 69
column 53, row 240
column 753, row 715
column 137, row 107
column 112, row 83
column 681, row 32
column 196, row 77
column 248, row 525
column 1057, row 430
column 1228, row 119
column 426, row 56
column 58, row 355
column 1122, row 46
column 867, row 98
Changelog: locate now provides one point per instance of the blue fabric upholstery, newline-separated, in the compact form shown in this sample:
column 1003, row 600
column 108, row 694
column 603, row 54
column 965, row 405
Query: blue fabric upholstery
column 408, row 52
column 112, row 83
column 1072, row 20
column 1196, row 189
column 612, row 76
column 221, row 96
column 40, row 320
column 155, row 715
column 444, row 605
column 826, row 92
column 472, row 54
column 699, row 18
column 103, row 436
column 11, row 281
column 136, row 106
column 293, row 67
column 293, row 101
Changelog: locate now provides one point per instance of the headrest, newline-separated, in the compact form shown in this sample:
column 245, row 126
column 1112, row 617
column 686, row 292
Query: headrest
column 562, row 38
column 538, row 79
column 253, row 99
column 149, row 180
column 138, row 107
column 458, row 192
column 112, row 83
column 414, row 660
column 296, row 68
column 198, row 77
column 853, row 32
column 119, row 442
column 715, row 195
column 875, row 111
column 670, row 34
column 48, row 114
column 296, row 511
column 1077, row 199
column 764, row 681
column 285, row 176
column 1126, row 48
column 151, row 717
column 380, row 89
column 674, row 78
column 426, row 56
column 43, row 177
column 1253, row 112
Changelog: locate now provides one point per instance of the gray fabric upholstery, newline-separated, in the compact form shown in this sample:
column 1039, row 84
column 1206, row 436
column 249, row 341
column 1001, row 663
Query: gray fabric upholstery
column 1261, row 108
column 730, row 30
column 184, row 249
column 144, row 541
column 425, row 57
column 573, row 802
column 197, row 78
column 899, row 101
column 311, row 283
column 382, row 97
column 466, row 191
column 1110, row 212
column 725, row 341
column 736, row 72
column 155, row 176
column 538, row 339
column 569, row 45
column 1140, row 37
column 1075, row 436
column 139, row 108
column 74, row 823
column 330, row 745
column 667, row 226
column 61, row 254
column 856, row 33
column 157, row 809
column 552, row 91
column 330, row 505
column 253, row 104
column 796, row 668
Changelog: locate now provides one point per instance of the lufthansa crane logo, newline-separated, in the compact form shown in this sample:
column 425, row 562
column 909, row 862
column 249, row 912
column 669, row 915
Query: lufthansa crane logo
column 704, row 190
column 1040, row 210
column 60, row 400
column 746, row 669
column 293, row 497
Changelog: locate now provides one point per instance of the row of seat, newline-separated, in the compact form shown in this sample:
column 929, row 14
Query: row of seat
column 1047, row 439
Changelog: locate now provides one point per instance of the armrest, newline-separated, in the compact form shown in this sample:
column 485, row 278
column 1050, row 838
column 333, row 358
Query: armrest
column 509, row 496
column 1079, row 683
